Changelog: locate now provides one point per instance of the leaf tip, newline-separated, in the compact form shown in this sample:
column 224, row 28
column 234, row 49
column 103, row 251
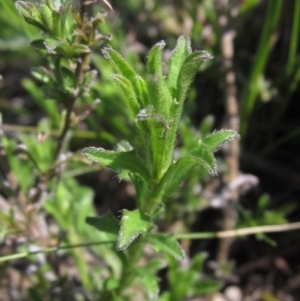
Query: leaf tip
column 85, row 152
column 105, row 52
column 161, row 44
column 205, row 55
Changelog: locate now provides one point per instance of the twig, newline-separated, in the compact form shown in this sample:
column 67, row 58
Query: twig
column 81, row 67
column 202, row 235
column 232, row 156
column 61, row 138
column 240, row 232
column 54, row 249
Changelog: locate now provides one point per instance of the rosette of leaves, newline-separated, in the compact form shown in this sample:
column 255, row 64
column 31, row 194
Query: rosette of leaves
column 155, row 104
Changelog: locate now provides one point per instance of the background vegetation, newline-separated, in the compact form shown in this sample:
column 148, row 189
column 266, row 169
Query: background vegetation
column 251, row 85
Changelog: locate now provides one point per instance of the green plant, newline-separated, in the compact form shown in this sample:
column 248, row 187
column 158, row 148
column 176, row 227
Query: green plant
column 263, row 215
column 39, row 197
column 51, row 212
column 192, row 282
column 155, row 105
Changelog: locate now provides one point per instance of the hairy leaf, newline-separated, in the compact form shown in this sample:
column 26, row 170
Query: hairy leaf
column 128, row 93
column 46, row 14
column 119, row 64
column 176, row 173
column 154, row 62
column 133, row 223
column 203, row 156
column 31, row 14
column 165, row 243
column 117, row 161
column 188, row 71
column 181, row 51
column 64, row 12
column 161, row 97
column 215, row 140
column 123, row 68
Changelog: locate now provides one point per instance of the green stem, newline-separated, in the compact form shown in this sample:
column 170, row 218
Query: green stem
column 294, row 38
column 54, row 249
column 134, row 253
column 128, row 276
